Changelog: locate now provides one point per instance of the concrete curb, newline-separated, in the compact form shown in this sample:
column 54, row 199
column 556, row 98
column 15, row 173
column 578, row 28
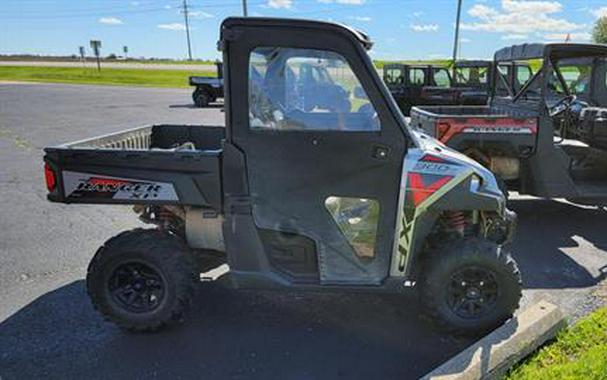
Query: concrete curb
column 493, row 355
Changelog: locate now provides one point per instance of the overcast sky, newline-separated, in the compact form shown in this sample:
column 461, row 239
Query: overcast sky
column 401, row 29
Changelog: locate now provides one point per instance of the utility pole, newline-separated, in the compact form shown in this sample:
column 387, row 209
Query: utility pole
column 244, row 8
column 187, row 27
column 456, row 42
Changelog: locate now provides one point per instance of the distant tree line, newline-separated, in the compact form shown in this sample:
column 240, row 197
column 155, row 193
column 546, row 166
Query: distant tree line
column 599, row 33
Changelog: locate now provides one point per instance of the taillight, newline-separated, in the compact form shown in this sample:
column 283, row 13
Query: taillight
column 49, row 176
column 441, row 130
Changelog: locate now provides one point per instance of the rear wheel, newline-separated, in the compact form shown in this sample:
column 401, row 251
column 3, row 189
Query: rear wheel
column 201, row 98
column 142, row 279
column 471, row 286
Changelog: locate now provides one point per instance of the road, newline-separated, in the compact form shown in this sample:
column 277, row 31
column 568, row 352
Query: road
column 49, row 329
column 91, row 63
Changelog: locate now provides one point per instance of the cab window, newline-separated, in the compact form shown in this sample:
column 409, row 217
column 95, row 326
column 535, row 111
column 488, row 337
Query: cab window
column 417, row 77
column 523, row 75
column 442, row 78
column 394, row 76
column 472, row 76
column 305, row 89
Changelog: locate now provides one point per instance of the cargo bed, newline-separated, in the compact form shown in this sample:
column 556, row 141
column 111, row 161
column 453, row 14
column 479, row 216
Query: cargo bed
column 156, row 164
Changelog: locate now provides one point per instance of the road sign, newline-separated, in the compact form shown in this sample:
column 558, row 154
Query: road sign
column 96, row 45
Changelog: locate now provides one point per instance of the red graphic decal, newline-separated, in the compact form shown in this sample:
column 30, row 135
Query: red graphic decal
column 431, row 158
column 95, row 181
column 420, row 191
column 452, row 127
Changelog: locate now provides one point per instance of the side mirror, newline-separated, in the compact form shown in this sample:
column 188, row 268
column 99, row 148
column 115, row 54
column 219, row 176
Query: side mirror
column 359, row 93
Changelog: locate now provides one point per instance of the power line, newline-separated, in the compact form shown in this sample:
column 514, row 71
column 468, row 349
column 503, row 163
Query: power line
column 456, row 42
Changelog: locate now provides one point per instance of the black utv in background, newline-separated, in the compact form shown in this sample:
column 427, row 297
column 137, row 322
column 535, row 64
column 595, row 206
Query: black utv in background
column 298, row 191
column 544, row 132
column 208, row 89
column 412, row 85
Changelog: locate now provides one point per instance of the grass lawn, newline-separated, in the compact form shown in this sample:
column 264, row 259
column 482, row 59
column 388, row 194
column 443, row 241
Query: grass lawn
column 580, row 352
column 125, row 77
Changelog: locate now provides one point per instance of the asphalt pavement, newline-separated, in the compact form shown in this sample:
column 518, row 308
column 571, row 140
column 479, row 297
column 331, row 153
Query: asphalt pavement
column 49, row 329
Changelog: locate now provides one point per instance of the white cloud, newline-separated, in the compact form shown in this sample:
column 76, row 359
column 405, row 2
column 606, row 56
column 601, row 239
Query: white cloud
column 520, row 16
column 361, row 18
column 514, row 36
column 348, row 2
column 424, row 28
column 465, row 40
column 521, row 6
column 572, row 36
column 110, row 21
column 599, row 12
column 173, row 26
column 417, row 14
column 200, row 14
column 280, row 3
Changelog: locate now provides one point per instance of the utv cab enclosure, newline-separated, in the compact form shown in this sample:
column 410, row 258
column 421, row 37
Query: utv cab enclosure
column 412, row 85
column 544, row 132
column 295, row 193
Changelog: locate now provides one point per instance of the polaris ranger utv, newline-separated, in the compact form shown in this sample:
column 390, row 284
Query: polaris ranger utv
column 543, row 133
column 292, row 196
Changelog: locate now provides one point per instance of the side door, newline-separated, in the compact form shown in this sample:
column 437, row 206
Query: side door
column 328, row 174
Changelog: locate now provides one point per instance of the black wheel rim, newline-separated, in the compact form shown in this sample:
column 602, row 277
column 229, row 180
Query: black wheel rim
column 136, row 287
column 473, row 292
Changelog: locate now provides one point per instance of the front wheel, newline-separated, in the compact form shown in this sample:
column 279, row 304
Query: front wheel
column 471, row 286
column 142, row 279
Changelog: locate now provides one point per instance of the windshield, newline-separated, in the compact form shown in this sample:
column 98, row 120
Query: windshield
column 579, row 77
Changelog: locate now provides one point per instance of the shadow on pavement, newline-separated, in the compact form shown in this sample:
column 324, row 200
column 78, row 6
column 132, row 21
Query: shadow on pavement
column 229, row 334
column 548, row 241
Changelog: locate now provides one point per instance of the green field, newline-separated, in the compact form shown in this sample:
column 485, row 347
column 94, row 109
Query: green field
column 118, row 77
column 578, row 353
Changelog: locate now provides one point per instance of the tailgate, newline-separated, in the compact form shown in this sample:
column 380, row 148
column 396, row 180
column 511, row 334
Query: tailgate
column 467, row 126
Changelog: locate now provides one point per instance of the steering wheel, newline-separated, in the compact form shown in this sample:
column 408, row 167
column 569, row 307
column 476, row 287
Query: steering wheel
column 562, row 105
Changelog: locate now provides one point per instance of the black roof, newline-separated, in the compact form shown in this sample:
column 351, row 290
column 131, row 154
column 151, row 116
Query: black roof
column 416, row 65
column 473, row 63
column 362, row 37
column 555, row 50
